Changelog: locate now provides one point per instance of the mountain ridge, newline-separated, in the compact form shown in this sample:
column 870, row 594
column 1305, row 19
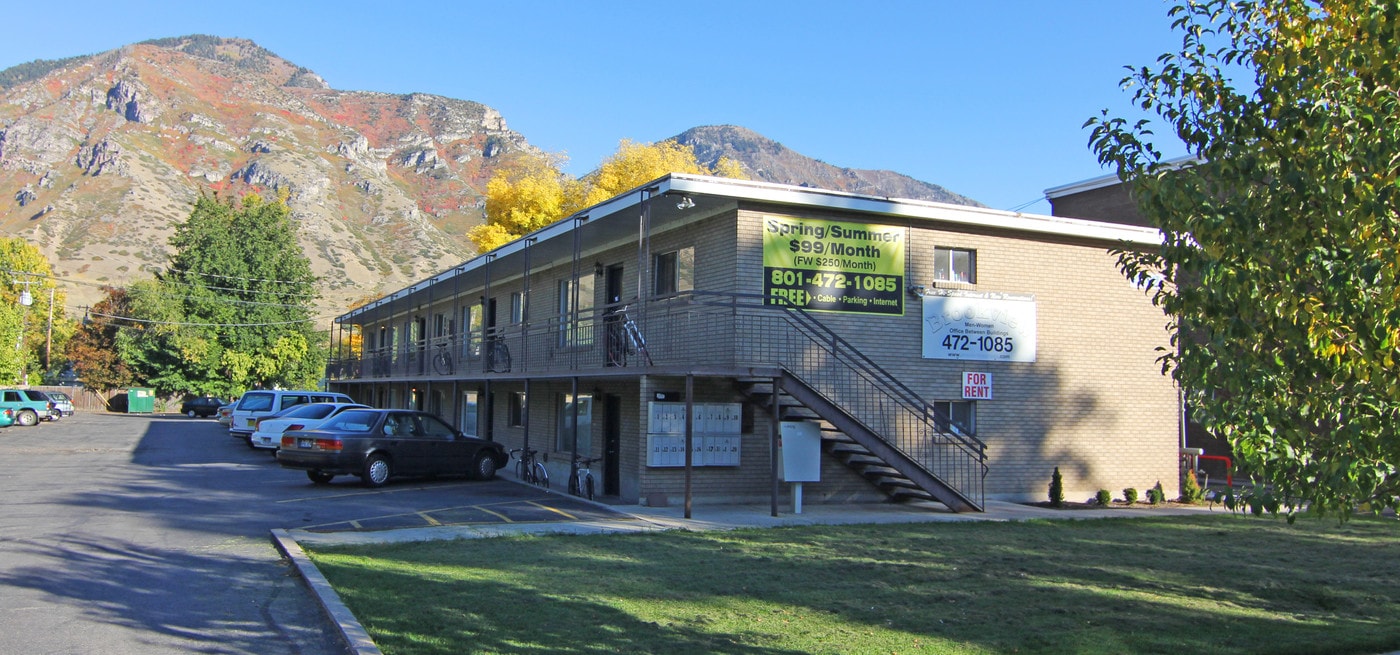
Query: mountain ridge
column 100, row 155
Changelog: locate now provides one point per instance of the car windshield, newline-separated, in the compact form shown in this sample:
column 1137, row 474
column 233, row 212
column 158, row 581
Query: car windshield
column 58, row 395
column 355, row 420
column 255, row 402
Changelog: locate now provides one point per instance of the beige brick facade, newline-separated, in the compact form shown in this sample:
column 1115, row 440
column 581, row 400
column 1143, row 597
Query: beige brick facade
column 1093, row 402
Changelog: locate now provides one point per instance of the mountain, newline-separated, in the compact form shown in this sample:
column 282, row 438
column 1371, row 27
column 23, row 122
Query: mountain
column 101, row 155
column 769, row 161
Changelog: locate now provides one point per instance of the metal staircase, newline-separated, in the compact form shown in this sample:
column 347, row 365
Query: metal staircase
column 896, row 474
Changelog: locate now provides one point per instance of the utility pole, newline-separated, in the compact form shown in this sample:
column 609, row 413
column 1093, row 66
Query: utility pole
column 48, row 335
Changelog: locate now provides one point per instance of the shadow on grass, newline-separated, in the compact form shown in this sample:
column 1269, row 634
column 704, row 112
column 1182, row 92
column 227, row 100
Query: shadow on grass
column 1202, row 585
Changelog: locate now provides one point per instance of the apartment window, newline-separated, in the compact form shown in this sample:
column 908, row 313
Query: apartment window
column 576, row 329
column 954, row 265
column 516, row 411
column 675, row 271
column 517, row 308
column 471, row 322
column 565, row 439
column 470, row 413
column 956, row 416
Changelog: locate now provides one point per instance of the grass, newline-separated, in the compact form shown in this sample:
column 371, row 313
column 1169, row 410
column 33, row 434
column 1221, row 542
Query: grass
column 1208, row 584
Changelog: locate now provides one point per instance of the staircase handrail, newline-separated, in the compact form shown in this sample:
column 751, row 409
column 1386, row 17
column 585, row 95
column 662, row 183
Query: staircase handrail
column 840, row 348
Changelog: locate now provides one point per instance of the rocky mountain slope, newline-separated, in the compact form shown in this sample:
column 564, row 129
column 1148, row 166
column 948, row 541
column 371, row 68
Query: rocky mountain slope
column 101, row 155
column 770, row 161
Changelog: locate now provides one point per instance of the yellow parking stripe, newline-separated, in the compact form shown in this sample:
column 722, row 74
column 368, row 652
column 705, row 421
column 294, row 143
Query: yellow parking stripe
column 503, row 517
column 429, row 519
column 556, row 510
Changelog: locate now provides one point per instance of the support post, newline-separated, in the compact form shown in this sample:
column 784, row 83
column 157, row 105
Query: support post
column 689, row 437
column 773, row 445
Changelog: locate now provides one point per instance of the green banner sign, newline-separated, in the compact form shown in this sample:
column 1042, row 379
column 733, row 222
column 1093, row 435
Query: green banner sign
column 832, row 266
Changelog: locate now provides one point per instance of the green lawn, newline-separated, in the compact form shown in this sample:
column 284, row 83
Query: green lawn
column 1205, row 584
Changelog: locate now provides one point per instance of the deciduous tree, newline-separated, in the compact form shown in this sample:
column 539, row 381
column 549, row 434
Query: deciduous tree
column 1281, row 260
column 22, row 357
column 532, row 192
column 234, row 308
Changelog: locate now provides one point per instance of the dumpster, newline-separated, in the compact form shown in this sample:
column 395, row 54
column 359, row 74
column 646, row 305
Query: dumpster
column 140, row 400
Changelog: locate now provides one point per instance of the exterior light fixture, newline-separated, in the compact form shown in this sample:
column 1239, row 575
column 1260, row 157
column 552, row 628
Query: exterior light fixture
column 685, row 203
column 917, row 290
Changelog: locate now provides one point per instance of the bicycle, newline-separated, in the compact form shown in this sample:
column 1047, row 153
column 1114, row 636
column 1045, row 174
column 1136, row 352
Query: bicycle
column 624, row 338
column 581, row 480
column 497, row 357
column 442, row 360
column 527, row 469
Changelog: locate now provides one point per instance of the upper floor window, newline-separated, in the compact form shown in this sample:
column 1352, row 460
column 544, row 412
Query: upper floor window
column 517, row 307
column 954, row 265
column 675, row 271
column 576, row 328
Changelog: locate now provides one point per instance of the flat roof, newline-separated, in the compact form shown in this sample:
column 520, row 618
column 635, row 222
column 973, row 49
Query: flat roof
column 701, row 186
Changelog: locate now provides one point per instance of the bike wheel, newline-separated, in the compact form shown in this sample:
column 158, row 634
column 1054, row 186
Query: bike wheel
column 574, row 487
column 520, row 470
column 588, row 486
column 541, row 475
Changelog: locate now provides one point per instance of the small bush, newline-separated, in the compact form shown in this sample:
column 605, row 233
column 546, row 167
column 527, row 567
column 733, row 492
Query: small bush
column 1155, row 495
column 1104, row 497
column 1191, row 488
column 1057, row 489
column 1130, row 495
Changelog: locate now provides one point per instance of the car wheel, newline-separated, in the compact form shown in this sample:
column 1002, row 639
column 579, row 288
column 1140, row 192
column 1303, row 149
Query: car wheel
column 190, row 413
column 485, row 467
column 27, row 417
column 318, row 477
column 376, row 471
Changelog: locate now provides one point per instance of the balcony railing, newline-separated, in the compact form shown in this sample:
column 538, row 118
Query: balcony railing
column 710, row 333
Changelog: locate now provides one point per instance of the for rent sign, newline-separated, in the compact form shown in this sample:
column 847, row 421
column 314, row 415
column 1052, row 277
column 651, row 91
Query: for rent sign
column 977, row 386
column 832, row 266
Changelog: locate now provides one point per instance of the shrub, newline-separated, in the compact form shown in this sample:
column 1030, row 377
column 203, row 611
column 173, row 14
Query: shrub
column 1191, row 488
column 1104, row 497
column 1130, row 495
column 1057, row 489
column 1155, row 495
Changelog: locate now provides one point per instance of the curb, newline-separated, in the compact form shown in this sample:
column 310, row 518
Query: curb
column 351, row 632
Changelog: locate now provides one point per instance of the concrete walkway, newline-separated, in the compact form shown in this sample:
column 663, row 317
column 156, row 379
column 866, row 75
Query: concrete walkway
column 652, row 519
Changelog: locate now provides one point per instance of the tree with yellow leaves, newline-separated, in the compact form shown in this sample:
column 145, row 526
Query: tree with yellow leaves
column 531, row 192
column 1280, row 260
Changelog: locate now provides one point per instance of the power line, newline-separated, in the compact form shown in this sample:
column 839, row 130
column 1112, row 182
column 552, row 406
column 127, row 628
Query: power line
column 186, row 324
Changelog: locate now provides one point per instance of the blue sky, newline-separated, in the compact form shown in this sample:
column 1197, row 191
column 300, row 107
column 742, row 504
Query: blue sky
column 984, row 98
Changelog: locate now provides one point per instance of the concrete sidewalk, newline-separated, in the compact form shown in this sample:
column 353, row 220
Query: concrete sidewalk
column 637, row 518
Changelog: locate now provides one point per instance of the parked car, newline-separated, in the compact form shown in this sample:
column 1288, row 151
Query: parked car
column 225, row 414
column 204, row 406
column 269, row 429
column 7, row 417
column 30, row 405
column 254, row 404
column 378, row 444
column 61, row 402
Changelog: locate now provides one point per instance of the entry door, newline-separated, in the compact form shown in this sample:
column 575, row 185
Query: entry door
column 612, row 444
column 612, row 327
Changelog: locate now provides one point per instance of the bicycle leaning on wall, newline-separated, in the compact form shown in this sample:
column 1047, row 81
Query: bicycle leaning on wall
column 528, row 469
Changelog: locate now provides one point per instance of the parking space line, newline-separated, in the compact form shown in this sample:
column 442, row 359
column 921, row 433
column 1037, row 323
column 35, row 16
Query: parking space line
column 356, row 525
column 429, row 519
column 493, row 513
column 556, row 510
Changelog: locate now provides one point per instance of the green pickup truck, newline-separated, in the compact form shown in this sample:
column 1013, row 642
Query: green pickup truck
column 29, row 405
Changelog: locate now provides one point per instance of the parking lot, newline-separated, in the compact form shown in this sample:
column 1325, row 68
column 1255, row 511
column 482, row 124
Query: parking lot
column 150, row 534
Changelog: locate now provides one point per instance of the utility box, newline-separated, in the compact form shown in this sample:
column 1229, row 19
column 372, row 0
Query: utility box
column 140, row 400
column 800, row 451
